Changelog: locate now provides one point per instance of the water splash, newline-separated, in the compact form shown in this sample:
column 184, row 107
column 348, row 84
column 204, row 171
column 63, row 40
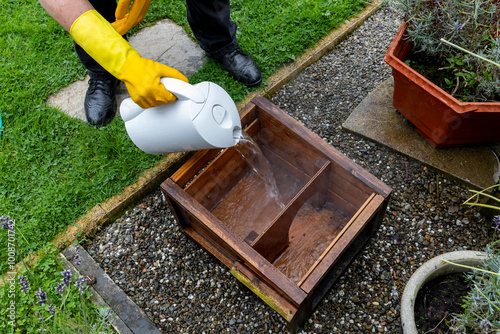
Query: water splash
column 252, row 154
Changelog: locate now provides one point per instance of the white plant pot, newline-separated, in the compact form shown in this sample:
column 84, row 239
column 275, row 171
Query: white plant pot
column 430, row 270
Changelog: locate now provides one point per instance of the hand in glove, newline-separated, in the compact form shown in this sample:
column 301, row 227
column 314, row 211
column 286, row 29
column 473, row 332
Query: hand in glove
column 125, row 21
column 141, row 76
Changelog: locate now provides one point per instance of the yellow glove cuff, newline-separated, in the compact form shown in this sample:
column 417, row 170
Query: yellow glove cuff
column 101, row 41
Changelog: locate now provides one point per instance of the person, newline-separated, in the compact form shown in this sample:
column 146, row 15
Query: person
column 97, row 26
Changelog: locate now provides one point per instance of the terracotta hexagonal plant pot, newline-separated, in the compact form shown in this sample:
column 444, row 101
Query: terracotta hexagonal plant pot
column 440, row 118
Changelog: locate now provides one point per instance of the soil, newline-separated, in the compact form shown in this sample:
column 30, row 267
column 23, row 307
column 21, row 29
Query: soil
column 437, row 70
column 438, row 300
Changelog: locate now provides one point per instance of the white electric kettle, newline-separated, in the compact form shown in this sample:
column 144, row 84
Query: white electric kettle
column 203, row 116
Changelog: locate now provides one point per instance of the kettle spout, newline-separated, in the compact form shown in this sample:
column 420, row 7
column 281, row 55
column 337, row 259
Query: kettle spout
column 237, row 134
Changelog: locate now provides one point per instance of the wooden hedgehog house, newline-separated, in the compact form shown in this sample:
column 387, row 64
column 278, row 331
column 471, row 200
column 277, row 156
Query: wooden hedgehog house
column 288, row 256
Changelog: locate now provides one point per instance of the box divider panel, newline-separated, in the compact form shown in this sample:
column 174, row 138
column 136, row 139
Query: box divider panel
column 271, row 243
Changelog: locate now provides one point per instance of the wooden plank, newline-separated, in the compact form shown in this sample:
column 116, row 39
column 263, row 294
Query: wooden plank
column 270, row 296
column 294, row 126
column 218, row 178
column 221, row 175
column 206, row 239
column 342, row 204
column 253, row 129
column 199, row 160
column 275, row 239
column 321, row 194
column 179, row 214
column 332, row 244
column 244, row 251
column 328, row 261
column 248, row 114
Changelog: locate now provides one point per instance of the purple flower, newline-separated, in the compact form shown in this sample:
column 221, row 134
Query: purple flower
column 66, row 277
column 485, row 323
column 496, row 223
column 52, row 309
column 460, row 26
column 496, row 220
column 79, row 283
column 60, row 287
column 77, row 256
column 7, row 223
column 23, row 282
column 42, row 297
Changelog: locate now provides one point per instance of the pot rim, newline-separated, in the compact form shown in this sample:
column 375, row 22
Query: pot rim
column 430, row 270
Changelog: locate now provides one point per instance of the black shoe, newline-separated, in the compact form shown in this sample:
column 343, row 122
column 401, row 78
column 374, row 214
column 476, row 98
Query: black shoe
column 241, row 66
column 100, row 101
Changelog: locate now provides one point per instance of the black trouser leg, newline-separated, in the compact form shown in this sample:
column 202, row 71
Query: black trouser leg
column 107, row 9
column 212, row 26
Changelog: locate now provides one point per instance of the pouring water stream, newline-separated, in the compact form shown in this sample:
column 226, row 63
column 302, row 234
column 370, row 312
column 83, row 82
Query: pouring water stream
column 252, row 154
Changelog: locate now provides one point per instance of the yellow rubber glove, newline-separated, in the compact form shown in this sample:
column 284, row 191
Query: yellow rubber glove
column 105, row 45
column 125, row 21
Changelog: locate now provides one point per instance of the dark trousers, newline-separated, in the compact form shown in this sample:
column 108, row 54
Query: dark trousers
column 209, row 19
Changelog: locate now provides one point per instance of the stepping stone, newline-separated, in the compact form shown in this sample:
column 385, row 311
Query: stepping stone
column 165, row 42
column 375, row 118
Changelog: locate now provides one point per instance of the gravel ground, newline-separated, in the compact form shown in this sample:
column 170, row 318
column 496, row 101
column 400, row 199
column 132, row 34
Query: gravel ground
column 185, row 290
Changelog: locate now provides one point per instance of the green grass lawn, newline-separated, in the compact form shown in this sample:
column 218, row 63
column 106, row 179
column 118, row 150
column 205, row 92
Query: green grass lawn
column 53, row 168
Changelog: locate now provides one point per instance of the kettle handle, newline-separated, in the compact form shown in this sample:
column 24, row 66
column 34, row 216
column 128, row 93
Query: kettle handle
column 183, row 90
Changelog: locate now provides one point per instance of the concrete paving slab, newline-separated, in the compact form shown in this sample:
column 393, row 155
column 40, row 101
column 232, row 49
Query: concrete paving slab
column 165, row 42
column 375, row 118
column 129, row 318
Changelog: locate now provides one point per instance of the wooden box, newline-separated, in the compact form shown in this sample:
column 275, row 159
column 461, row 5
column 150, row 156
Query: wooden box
column 289, row 257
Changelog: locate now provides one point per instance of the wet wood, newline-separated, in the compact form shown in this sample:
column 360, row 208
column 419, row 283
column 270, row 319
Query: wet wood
column 216, row 180
column 337, row 237
column 342, row 243
column 229, row 239
column 200, row 159
column 275, row 238
column 289, row 257
column 367, row 179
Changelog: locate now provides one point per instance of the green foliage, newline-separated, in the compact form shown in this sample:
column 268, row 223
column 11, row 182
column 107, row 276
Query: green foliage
column 482, row 304
column 54, row 168
column 74, row 312
column 465, row 77
column 470, row 24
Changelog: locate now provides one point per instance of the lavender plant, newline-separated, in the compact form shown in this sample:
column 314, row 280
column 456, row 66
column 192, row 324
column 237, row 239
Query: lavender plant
column 482, row 304
column 472, row 25
column 47, row 300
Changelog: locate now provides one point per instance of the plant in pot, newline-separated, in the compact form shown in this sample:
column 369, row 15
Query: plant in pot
column 448, row 94
column 481, row 305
